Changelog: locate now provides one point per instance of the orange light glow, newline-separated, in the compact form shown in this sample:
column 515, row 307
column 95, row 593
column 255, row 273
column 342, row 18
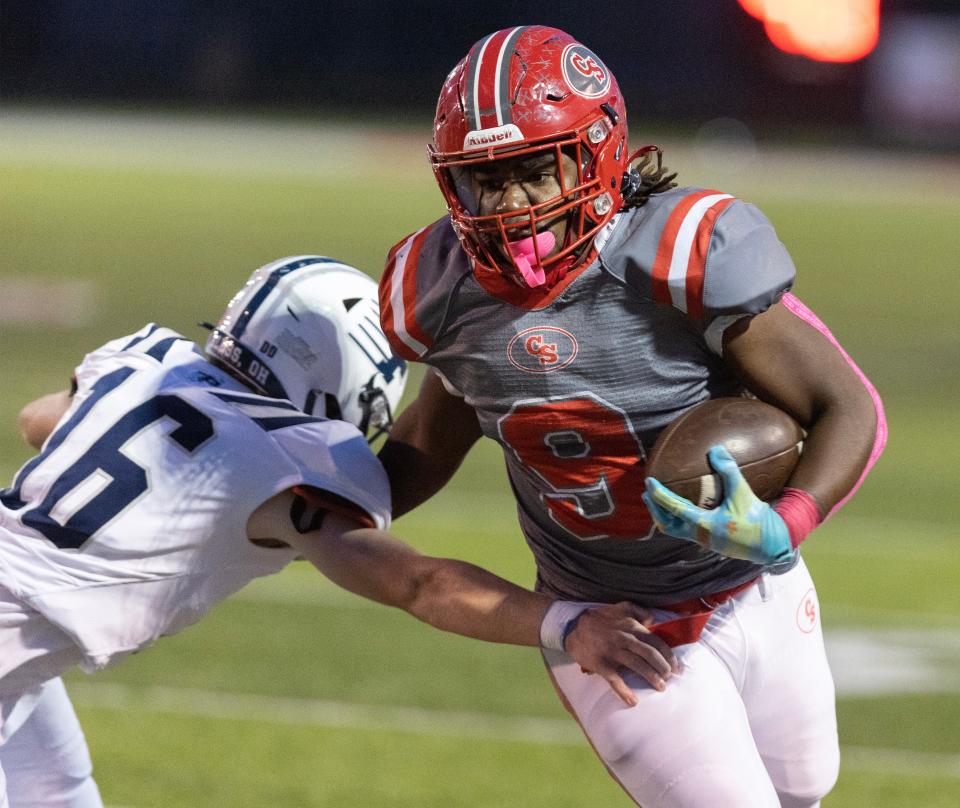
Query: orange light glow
column 824, row 30
column 755, row 8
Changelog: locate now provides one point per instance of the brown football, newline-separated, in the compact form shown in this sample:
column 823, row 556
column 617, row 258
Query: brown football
column 764, row 440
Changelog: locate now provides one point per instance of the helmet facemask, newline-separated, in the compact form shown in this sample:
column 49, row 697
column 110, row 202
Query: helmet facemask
column 493, row 237
column 377, row 418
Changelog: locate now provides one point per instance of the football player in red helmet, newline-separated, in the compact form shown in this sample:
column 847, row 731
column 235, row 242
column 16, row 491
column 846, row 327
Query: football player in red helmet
column 531, row 103
column 570, row 307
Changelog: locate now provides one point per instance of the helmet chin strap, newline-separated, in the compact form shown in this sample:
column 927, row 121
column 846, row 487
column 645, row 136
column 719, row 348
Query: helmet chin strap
column 524, row 253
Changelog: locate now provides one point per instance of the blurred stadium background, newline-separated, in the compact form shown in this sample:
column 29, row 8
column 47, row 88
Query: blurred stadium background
column 153, row 154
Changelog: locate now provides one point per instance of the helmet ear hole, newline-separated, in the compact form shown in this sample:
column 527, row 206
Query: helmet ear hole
column 332, row 407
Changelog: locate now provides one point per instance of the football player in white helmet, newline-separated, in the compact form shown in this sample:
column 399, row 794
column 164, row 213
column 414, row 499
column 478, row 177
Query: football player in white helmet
column 318, row 343
column 168, row 477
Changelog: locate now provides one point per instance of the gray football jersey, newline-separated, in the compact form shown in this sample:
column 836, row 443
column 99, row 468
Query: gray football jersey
column 575, row 381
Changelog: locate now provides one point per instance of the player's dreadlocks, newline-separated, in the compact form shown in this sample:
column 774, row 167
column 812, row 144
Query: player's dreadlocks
column 646, row 178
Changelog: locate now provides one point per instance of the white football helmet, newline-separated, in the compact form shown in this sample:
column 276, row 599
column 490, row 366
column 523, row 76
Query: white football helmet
column 307, row 328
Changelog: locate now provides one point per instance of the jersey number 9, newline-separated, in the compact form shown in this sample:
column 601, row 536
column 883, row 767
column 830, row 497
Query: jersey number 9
column 590, row 462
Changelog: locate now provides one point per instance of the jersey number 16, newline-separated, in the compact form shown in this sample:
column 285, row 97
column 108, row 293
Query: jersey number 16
column 103, row 481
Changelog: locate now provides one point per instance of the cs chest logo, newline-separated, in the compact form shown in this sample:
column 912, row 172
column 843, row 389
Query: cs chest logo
column 542, row 349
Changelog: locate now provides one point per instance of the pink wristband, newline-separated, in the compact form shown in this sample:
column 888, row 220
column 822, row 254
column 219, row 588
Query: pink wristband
column 799, row 512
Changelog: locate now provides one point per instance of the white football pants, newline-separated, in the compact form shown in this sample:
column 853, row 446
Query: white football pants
column 749, row 722
column 45, row 761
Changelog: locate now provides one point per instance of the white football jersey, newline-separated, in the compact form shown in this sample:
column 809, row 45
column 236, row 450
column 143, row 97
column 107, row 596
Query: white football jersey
column 131, row 522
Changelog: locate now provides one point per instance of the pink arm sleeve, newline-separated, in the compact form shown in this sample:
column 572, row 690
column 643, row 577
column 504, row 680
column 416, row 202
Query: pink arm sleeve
column 880, row 440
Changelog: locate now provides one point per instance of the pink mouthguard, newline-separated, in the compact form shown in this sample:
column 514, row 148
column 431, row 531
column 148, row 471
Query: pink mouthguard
column 524, row 252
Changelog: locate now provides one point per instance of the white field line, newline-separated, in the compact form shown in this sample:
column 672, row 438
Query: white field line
column 419, row 721
column 62, row 302
column 317, row 713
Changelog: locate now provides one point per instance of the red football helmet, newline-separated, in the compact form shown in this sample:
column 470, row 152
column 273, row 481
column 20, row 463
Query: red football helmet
column 531, row 90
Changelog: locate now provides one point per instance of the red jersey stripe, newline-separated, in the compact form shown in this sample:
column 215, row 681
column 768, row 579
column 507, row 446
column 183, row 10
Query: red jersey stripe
column 668, row 240
column 696, row 267
column 387, row 313
column 411, row 265
column 386, row 291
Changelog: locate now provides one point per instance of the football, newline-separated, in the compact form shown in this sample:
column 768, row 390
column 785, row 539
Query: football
column 764, row 440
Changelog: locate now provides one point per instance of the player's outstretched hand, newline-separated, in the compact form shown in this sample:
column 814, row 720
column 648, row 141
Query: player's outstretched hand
column 608, row 639
column 741, row 526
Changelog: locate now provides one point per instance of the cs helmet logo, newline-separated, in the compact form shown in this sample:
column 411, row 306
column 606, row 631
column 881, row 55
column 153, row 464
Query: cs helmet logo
column 584, row 72
column 542, row 349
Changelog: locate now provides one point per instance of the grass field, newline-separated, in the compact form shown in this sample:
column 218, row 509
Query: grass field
column 296, row 694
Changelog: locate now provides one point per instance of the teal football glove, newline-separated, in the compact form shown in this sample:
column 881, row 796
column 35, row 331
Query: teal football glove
column 741, row 526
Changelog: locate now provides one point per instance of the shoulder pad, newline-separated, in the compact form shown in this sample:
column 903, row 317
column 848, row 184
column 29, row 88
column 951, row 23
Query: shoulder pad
column 703, row 252
column 421, row 273
column 141, row 341
column 152, row 340
column 333, row 456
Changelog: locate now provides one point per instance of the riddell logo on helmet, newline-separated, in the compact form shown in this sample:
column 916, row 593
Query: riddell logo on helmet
column 542, row 349
column 484, row 138
column 584, row 72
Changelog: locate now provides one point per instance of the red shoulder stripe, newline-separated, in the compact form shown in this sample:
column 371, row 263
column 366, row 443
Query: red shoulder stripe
column 411, row 265
column 698, row 257
column 386, row 285
column 398, row 298
column 668, row 240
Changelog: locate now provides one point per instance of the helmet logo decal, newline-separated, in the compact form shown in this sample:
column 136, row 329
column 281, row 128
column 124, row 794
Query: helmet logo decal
column 369, row 338
column 296, row 348
column 542, row 349
column 584, row 72
column 484, row 138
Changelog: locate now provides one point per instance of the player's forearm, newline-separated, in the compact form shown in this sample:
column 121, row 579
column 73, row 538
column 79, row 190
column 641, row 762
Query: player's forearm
column 836, row 450
column 450, row 595
column 788, row 358
column 462, row 598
